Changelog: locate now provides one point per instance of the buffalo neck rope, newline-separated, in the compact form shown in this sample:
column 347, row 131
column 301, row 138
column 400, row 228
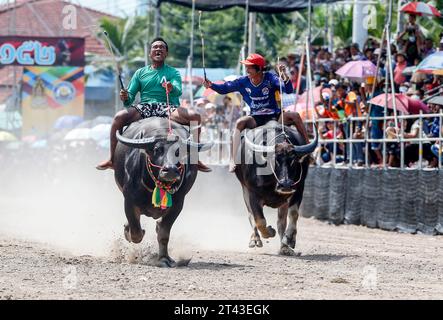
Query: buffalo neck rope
column 165, row 85
column 162, row 193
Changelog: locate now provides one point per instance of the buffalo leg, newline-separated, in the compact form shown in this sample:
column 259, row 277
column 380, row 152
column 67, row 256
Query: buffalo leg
column 163, row 229
column 281, row 227
column 282, row 224
column 256, row 209
column 255, row 240
column 289, row 239
column 255, row 237
column 133, row 230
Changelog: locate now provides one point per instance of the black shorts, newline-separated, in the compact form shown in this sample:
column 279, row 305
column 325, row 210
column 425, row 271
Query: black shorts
column 264, row 119
column 148, row 110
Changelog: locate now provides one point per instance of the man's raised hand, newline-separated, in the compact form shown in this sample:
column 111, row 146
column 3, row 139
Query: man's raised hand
column 207, row 83
column 124, row 95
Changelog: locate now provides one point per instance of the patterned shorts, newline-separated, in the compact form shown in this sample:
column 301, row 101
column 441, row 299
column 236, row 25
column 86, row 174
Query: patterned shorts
column 148, row 110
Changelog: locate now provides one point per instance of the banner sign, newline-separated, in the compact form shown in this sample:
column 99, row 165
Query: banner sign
column 42, row 51
column 49, row 93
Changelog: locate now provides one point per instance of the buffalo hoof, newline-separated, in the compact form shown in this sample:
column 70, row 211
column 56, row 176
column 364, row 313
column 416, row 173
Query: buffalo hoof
column 138, row 237
column 255, row 243
column 126, row 232
column 166, row 262
column 286, row 251
column 289, row 242
column 135, row 238
column 269, row 232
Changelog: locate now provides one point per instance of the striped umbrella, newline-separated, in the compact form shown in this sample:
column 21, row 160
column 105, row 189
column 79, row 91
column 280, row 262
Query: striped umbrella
column 420, row 9
column 431, row 64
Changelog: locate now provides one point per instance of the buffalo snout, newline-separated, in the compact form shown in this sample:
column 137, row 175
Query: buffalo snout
column 169, row 173
column 285, row 186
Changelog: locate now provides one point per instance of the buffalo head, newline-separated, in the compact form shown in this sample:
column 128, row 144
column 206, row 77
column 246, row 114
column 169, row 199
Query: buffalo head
column 165, row 155
column 285, row 157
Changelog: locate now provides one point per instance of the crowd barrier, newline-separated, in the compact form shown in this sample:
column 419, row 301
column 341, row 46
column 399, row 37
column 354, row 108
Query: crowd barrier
column 408, row 201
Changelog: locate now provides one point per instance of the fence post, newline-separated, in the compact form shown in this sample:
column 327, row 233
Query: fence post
column 420, row 146
column 402, row 144
column 334, row 153
column 349, row 139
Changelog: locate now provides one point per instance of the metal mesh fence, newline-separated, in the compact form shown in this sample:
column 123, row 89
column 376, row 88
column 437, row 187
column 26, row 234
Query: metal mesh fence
column 408, row 204
column 391, row 196
column 405, row 200
column 337, row 196
column 354, row 192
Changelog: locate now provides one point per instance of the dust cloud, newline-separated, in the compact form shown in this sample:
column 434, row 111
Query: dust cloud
column 58, row 198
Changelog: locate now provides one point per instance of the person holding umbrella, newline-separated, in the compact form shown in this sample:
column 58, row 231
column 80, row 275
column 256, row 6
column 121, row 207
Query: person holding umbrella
column 414, row 40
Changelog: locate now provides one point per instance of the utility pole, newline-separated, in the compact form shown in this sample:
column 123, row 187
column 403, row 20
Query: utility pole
column 359, row 30
column 331, row 29
column 400, row 16
column 244, row 49
column 252, row 32
column 309, row 21
column 14, row 31
column 146, row 46
column 157, row 21
column 191, row 56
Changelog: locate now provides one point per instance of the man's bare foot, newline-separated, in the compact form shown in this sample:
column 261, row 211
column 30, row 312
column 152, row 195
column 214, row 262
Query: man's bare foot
column 202, row 167
column 232, row 167
column 105, row 165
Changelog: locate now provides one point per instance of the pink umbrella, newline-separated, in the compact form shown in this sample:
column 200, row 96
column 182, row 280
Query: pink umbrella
column 304, row 97
column 420, row 9
column 301, row 109
column 209, row 91
column 415, row 106
column 357, row 70
column 401, row 100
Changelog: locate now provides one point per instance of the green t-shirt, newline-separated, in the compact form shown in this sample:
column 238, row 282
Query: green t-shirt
column 148, row 81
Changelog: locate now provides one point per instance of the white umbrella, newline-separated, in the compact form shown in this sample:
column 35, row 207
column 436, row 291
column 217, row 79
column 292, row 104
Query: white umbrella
column 100, row 132
column 78, row 134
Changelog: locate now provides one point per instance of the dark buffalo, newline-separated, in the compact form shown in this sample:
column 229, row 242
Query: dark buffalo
column 273, row 175
column 148, row 155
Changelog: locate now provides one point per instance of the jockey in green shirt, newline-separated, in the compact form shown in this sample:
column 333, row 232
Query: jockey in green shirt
column 152, row 82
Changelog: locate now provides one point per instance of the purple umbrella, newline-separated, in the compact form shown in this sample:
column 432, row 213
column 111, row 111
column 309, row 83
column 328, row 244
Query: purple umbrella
column 415, row 106
column 357, row 70
column 67, row 122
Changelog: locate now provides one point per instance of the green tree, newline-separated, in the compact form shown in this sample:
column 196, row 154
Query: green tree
column 223, row 33
column 126, row 37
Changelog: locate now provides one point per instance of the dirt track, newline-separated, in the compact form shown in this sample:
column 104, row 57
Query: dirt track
column 63, row 239
column 333, row 264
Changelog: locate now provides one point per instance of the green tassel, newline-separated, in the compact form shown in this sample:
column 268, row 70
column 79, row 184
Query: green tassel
column 166, row 201
column 156, row 199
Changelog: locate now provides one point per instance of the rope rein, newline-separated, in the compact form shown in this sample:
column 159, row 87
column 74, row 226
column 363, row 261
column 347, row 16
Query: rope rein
column 278, row 180
column 281, row 94
column 162, row 193
column 203, row 43
column 157, row 182
column 270, row 163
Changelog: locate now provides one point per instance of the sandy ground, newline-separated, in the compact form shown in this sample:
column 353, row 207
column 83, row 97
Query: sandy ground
column 63, row 239
column 343, row 262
